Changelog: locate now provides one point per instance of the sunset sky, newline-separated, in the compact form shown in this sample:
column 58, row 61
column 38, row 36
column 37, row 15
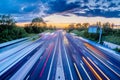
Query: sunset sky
column 63, row 12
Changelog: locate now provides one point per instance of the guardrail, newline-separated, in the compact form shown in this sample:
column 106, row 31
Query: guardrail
column 2, row 45
column 111, row 52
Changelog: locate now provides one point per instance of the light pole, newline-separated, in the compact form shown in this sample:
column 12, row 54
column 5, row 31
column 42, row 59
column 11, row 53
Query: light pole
column 100, row 35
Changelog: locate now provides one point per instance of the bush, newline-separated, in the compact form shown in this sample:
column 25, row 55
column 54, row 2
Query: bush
column 33, row 29
column 116, row 32
column 112, row 39
column 28, row 29
column 11, row 32
column 84, row 33
column 76, row 32
column 91, row 36
column 117, row 49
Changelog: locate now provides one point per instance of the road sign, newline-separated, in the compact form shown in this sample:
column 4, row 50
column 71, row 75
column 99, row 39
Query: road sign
column 92, row 29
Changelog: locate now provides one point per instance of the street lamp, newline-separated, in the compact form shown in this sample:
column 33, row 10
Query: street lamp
column 100, row 35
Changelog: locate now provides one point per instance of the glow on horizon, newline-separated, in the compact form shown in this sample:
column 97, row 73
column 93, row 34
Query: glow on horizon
column 64, row 21
column 80, row 19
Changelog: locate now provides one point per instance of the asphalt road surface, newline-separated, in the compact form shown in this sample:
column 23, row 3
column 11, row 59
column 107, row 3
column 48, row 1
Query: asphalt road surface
column 58, row 56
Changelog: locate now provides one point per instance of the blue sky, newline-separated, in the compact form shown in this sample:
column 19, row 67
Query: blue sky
column 25, row 10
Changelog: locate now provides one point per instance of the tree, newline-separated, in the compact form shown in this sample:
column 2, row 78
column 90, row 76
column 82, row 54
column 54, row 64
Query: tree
column 106, row 25
column 85, row 25
column 38, row 19
column 38, row 22
column 36, row 26
column 50, row 27
column 8, row 29
column 71, row 27
column 7, row 20
column 112, row 25
column 99, row 24
column 78, row 25
column 107, row 29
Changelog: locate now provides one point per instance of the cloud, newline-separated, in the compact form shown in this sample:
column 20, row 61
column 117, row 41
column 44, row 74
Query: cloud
column 72, row 1
column 35, row 8
column 93, row 8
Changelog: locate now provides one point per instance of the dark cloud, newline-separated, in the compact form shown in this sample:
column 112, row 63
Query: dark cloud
column 104, row 8
column 66, row 15
column 61, row 5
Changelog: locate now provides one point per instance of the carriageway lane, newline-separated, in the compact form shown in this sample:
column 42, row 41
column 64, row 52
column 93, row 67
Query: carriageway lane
column 94, row 59
column 14, row 66
column 58, row 56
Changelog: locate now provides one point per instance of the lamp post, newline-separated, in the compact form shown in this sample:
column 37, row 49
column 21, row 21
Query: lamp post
column 100, row 35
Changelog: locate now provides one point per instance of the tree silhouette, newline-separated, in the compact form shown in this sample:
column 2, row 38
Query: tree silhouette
column 85, row 25
column 38, row 22
column 7, row 20
column 37, row 25
column 78, row 25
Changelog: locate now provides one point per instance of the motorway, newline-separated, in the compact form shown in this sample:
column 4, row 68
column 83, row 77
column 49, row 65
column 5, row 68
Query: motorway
column 58, row 56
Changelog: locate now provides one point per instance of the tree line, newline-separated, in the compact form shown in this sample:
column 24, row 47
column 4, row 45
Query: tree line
column 38, row 25
column 107, row 28
column 10, row 31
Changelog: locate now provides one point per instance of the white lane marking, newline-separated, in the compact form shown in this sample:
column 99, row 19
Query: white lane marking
column 113, row 64
column 111, row 52
column 79, row 75
column 98, row 68
column 85, row 71
column 103, row 63
column 59, row 71
column 48, row 78
column 27, row 77
column 12, row 51
column 110, row 62
column 14, row 59
column 13, row 41
column 68, row 62
column 22, row 72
